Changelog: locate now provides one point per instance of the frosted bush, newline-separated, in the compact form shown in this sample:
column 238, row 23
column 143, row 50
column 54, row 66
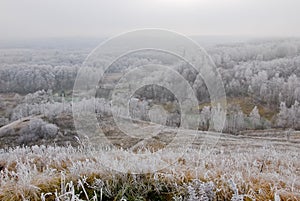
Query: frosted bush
column 49, row 130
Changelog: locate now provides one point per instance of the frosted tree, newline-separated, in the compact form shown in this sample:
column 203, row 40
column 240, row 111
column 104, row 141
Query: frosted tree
column 205, row 117
column 295, row 115
column 291, row 87
column 240, row 124
column 248, row 73
column 297, row 93
column 264, row 92
column 255, row 118
column 235, row 119
column 283, row 116
column 258, row 80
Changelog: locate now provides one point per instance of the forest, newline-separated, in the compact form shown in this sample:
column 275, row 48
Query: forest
column 44, row 156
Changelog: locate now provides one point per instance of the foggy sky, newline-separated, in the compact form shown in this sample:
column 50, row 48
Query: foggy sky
column 98, row 18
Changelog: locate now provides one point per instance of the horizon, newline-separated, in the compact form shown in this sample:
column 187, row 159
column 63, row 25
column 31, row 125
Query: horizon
column 89, row 42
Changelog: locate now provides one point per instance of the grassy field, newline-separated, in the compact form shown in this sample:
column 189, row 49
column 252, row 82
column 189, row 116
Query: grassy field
column 248, row 167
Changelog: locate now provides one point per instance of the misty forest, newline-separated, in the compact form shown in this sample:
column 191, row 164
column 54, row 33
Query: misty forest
column 256, row 156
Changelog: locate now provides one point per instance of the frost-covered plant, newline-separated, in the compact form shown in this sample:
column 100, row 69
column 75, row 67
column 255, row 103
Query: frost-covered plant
column 49, row 129
column 198, row 190
column 71, row 173
column 235, row 196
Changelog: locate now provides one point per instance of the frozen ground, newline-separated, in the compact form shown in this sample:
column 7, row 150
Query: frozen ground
column 256, row 166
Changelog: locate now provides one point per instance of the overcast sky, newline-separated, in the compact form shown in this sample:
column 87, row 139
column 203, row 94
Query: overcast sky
column 101, row 18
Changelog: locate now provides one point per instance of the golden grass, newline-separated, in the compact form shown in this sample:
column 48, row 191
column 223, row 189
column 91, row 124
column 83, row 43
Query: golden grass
column 258, row 174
